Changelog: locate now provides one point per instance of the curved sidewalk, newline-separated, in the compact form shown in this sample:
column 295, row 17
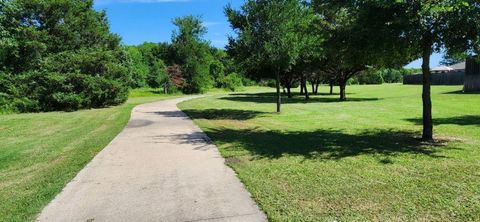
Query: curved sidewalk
column 161, row 167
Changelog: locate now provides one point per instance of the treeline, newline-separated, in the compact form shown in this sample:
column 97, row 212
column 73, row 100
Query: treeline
column 189, row 63
column 383, row 75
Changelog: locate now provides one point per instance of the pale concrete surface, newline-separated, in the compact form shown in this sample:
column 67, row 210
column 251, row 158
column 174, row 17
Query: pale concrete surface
column 161, row 167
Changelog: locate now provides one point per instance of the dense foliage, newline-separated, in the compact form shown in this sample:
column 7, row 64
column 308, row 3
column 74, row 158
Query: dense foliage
column 270, row 37
column 59, row 55
column 189, row 63
column 383, row 75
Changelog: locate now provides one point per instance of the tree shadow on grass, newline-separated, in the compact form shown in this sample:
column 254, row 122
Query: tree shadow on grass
column 461, row 92
column 324, row 144
column 458, row 120
column 213, row 114
column 270, row 98
column 222, row 114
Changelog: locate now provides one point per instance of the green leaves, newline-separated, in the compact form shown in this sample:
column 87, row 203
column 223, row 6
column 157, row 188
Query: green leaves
column 192, row 53
column 270, row 33
column 60, row 52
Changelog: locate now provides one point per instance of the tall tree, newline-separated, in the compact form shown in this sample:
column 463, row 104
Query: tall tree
column 192, row 53
column 267, row 36
column 433, row 26
column 140, row 68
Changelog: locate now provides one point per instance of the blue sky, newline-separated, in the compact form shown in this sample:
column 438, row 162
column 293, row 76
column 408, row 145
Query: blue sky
column 138, row 21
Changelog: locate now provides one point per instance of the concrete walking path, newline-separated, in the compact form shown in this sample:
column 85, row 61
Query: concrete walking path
column 161, row 167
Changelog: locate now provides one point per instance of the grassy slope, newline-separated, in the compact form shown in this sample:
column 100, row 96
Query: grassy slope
column 41, row 152
column 356, row 160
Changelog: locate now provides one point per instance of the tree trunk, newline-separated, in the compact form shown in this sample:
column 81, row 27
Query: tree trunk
column 307, row 97
column 343, row 96
column 316, row 87
column 313, row 87
column 331, row 87
column 289, row 92
column 301, row 86
column 279, row 96
column 427, row 101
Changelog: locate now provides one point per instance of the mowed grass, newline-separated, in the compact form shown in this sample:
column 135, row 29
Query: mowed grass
column 359, row 160
column 41, row 152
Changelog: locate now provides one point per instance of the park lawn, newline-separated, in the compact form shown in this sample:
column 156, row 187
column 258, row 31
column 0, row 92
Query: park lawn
column 359, row 160
column 41, row 152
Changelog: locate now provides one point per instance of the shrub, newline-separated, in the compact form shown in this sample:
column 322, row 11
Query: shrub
column 232, row 81
column 48, row 91
column 391, row 75
column 267, row 82
column 370, row 76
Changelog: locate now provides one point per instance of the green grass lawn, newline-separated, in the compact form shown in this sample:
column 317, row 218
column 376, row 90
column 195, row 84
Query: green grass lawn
column 359, row 160
column 41, row 152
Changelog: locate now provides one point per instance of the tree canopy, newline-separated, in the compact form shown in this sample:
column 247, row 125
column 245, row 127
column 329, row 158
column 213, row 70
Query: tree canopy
column 59, row 55
column 269, row 36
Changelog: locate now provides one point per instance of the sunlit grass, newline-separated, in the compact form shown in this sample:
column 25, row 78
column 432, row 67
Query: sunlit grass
column 41, row 152
column 360, row 160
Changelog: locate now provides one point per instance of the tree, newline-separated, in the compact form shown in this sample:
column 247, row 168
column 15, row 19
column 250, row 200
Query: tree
column 217, row 71
column 433, row 26
column 60, row 55
column 192, row 53
column 449, row 60
column 267, row 36
column 357, row 38
column 152, row 56
column 140, row 68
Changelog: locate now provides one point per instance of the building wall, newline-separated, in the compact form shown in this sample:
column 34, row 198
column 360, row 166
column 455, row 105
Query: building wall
column 448, row 78
column 472, row 76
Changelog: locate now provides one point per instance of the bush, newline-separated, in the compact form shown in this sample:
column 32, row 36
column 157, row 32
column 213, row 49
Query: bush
column 370, row 76
column 391, row 75
column 267, row 82
column 48, row 91
column 232, row 81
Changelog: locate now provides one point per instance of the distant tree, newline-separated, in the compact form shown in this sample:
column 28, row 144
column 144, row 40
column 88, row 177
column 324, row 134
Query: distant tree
column 192, row 53
column 267, row 36
column 391, row 75
column 157, row 74
column 152, row 56
column 140, row 68
column 369, row 76
column 217, row 71
column 289, row 80
column 356, row 38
